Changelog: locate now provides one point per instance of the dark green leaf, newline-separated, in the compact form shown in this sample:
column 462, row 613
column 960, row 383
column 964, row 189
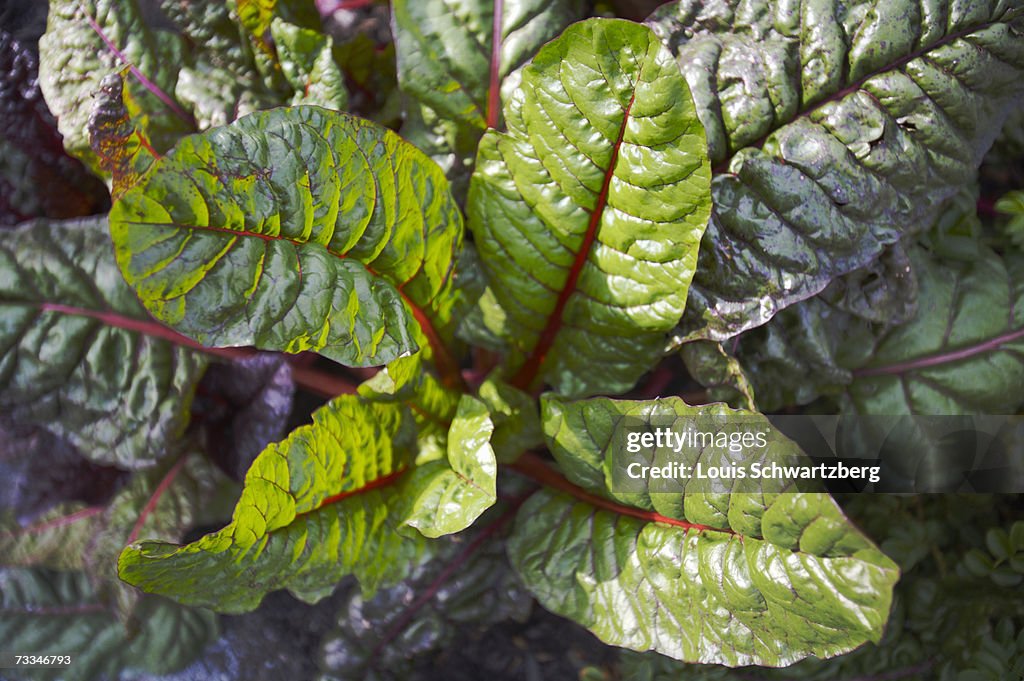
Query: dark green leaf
column 835, row 129
column 78, row 354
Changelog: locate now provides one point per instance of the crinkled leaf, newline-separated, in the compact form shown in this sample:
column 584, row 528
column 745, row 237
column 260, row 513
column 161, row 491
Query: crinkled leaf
column 447, row 495
column 307, row 60
column 329, row 501
column 714, row 368
column 454, row 74
column 37, row 179
column 242, row 406
column 467, row 582
column 86, row 40
column 960, row 352
column 783, row 577
column 43, row 610
column 78, row 354
column 294, row 229
column 588, row 213
column 835, row 129
column 447, row 57
column 75, row 536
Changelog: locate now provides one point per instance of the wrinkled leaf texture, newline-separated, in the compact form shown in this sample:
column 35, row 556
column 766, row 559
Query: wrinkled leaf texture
column 588, row 212
column 292, row 229
column 763, row 579
column 79, row 356
column 835, row 128
column 330, row 500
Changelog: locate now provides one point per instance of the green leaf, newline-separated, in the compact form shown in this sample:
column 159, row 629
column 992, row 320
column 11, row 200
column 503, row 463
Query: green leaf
column 315, row 507
column 448, row 59
column 86, row 40
column 588, row 213
column 835, row 130
column 307, row 61
column 516, row 419
column 293, row 229
column 447, row 496
column 783, row 577
column 78, row 354
column 714, row 368
column 962, row 353
column 42, row 610
column 329, row 501
column 163, row 501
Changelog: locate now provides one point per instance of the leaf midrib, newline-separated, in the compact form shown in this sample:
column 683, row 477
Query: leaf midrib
column 993, row 344
column 722, row 168
column 527, row 373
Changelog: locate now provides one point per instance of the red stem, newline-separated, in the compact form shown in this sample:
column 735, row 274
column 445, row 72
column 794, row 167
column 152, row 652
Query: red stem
column 320, row 382
column 154, row 499
column 383, row 481
column 723, row 166
column 941, row 358
column 535, row 468
column 81, row 514
column 494, row 89
column 446, row 365
column 146, row 82
column 528, row 372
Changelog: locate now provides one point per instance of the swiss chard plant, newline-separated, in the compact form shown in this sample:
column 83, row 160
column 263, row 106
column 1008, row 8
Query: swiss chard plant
column 781, row 197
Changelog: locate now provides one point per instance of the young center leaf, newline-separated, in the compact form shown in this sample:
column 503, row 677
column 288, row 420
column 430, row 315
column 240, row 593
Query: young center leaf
column 752, row 577
column 588, row 212
column 79, row 356
column 292, row 229
column 337, row 497
column 835, row 130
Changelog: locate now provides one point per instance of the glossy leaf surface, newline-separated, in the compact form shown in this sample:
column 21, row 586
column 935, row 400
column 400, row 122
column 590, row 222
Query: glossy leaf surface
column 293, row 229
column 587, row 214
column 835, row 129
column 774, row 579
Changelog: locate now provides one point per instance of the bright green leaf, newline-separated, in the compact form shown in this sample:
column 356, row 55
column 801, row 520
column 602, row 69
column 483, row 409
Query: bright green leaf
column 784, row 577
column 588, row 213
column 293, row 229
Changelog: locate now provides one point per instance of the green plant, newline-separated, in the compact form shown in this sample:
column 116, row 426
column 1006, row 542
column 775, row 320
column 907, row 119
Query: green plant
column 783, row 181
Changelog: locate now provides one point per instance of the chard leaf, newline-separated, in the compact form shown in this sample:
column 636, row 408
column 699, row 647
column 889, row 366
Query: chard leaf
column 958, row 353
column 122, row 150
column 447, row 496
column 78, row 354
column 835, row 129
column 75, row 536
column 516, row 419
column 329, row 501
column 962, row 353
column 86, row 40
column 48, row 610
column 307, row 61
column 747, row 578
column 293, row 229
column 455, row 57
column 466, row 582
column 588, row 213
